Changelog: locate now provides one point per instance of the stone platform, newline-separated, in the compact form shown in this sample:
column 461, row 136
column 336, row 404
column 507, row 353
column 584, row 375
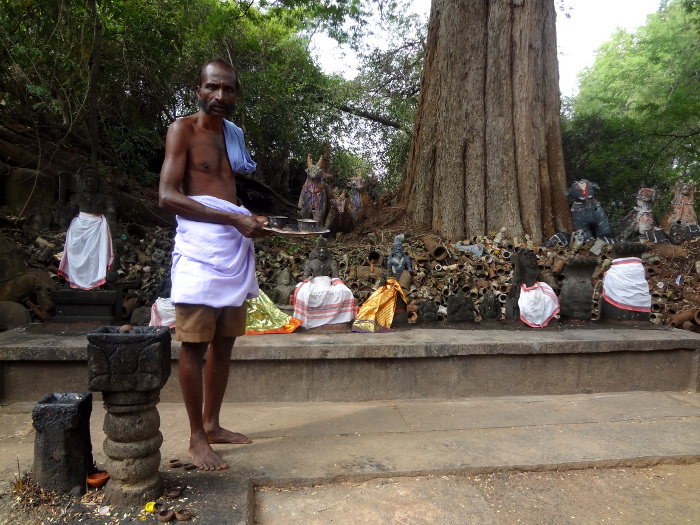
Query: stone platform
column 413, row 363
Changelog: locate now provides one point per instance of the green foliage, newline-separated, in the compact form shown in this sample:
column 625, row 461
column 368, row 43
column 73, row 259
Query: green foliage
column 140, row 57
column 636, row 119
column 385, row 94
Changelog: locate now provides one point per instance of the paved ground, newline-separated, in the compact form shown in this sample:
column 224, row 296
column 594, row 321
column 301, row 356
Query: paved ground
column 665, row 494
column 418, row 458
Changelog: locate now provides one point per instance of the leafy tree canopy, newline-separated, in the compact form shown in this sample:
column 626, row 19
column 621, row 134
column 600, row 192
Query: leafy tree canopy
column 636, row 118
column 115, row 73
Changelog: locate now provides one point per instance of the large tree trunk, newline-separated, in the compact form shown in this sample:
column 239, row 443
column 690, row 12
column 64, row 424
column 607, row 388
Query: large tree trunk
column 486, row 149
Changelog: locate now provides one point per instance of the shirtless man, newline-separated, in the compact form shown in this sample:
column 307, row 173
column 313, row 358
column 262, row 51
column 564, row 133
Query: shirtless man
column 213, row 261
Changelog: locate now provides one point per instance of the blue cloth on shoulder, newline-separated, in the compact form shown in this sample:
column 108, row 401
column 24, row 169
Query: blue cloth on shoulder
column 238, row 156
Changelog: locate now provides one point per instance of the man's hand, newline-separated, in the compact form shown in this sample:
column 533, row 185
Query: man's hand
column 252, row 227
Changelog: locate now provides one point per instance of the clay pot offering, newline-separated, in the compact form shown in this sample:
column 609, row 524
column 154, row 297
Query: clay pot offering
column 97, row 479
column 183, row 514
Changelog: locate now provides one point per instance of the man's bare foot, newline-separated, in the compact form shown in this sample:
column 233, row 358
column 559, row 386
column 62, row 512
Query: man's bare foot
column 204, row 456
column 221, row 435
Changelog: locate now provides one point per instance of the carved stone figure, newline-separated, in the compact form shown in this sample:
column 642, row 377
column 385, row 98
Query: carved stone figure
column 313, row 200
column 525, row 271
column 284, row 289
column 398, row 261
column 90, row 217
column 576, row 295
column 428, row 311
column 587, row 213
column 534, row 301
column 490, row 307
column 322, row 298
column 460, row 308
column 320, row 263
column 626, row 294
column 640, row 220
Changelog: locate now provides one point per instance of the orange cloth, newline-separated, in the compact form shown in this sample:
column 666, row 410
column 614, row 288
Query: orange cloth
column 377, row 312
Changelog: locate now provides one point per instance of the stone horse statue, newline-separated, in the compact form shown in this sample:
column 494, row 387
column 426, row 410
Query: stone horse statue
column 587, row 213
column 313, row 200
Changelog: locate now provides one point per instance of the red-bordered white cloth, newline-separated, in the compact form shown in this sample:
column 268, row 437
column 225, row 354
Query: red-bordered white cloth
column 538, row 304
column 625, row 285
column 163, row 313
column 87, row 254
column 322, row 300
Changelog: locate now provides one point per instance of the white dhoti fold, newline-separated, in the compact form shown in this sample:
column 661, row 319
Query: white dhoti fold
column 87, row 254
column 213, row 264
column 538, row 304
column 162, row 313
column 322, row 300
column 625, row 285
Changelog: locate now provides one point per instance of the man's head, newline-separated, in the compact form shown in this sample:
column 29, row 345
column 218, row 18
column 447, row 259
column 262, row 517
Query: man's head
column 217, row 88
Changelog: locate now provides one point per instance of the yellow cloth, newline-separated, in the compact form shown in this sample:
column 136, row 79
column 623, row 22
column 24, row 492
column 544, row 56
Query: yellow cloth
column 377, row 313
column 265, row 318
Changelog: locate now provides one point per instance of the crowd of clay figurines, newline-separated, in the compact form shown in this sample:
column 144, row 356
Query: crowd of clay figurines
column 419, row 279
column 494, row 277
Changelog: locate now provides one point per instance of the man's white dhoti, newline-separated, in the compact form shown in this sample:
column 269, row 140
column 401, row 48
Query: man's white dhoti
column 213, row 264
column 538, row 304
column 322, row 300
column 87, row 254
column 625, row 285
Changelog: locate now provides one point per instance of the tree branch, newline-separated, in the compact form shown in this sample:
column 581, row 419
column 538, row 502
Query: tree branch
column 372, row 117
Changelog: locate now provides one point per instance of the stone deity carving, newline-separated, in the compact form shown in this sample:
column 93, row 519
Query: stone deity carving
column 90, row 218
column 398, row 260
column 460, row 308
column 320, row 263
column 285, row 287
column 322, row 298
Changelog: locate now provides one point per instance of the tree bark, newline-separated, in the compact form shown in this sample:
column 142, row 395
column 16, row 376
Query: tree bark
column 486, row 150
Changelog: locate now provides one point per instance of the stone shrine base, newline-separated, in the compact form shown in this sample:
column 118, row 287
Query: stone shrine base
column 413, row 363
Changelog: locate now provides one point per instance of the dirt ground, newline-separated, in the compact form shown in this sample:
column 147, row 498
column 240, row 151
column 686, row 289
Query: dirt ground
column 665, row 494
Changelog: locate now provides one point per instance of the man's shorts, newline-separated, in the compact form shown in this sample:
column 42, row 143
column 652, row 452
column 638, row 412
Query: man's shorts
column 197, row 323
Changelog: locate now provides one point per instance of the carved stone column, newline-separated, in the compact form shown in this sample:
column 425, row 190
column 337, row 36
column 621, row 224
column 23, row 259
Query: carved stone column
column 130, row 368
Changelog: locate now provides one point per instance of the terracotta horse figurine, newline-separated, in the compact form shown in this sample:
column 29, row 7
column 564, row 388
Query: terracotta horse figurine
column 682, row 207
column 313, row 200
column 339, row 214
column 640, row 221
column 681, row 222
